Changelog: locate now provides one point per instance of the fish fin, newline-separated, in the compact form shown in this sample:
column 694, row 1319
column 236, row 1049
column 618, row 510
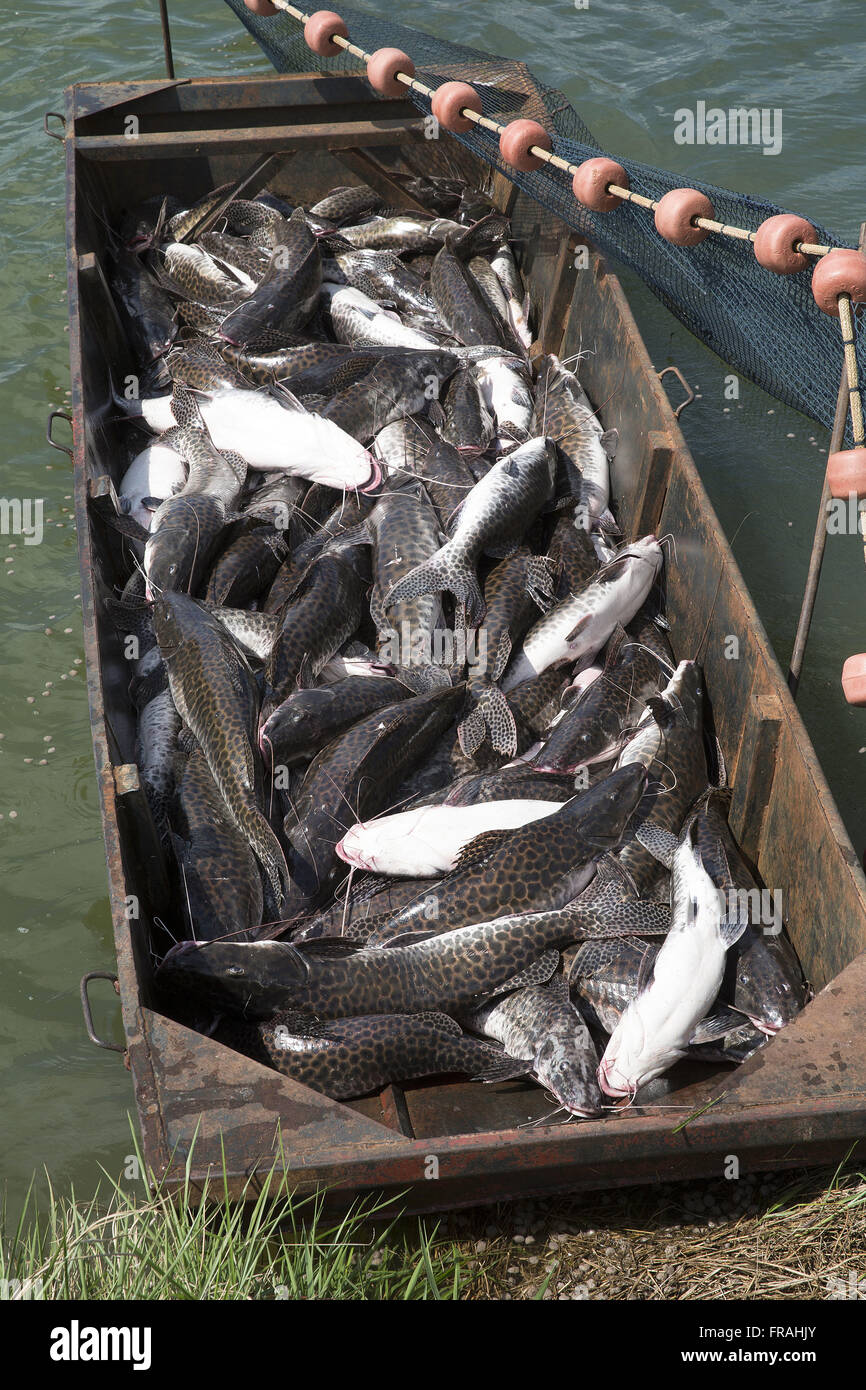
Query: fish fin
column 305, row 678
column 329, row 947
column 436, row 414
column 645, row 969
column 126, row 525
column 732, row 928
column 540, row 585
column 439, row 574
column 609, row 441
column 506, row 1069
column 614, row 646
column 482, row 848
column 610, row 870
column 499, row 718
column 659, row 710
column 661, row 843
column 441, row 1020
column 557, row 985
column 608, row 523
column 302, row 1025
column 471, row 732
column 503, row 654
column 578, row 628
column 538, row 973
column 721, row 779
column 716, row 1025
column 639, row 917
column 406, row 938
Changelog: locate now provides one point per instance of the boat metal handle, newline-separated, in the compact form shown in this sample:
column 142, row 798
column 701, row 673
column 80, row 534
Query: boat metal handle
column 85, row 1008
column 53, row 133
column 690, row 395
column 57, row 415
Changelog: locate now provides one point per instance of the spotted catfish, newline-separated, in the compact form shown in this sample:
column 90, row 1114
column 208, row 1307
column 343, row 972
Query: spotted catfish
column 351, row 1057
column 463, row 307
column 580, row 625
column 677, row 992
column 514, row 592
column 323, row 612
column 595, row 726
column 221, row 877
column 540, row 866
column 307, row 720
column 287, row 293
column 540, row 1025
column 398, row 385
column 354, row 777
column 331, row 979
column 215, row 693
column 669, row 742
column 405, row 533
column 586, row 449
column 493, row 519
column 763, row 979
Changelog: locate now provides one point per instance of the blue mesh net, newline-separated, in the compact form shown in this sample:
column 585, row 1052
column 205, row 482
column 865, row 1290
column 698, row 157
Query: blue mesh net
column 766, row 326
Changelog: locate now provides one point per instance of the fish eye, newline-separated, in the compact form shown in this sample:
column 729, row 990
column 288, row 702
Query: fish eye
column 172, row 569
column 234, row 970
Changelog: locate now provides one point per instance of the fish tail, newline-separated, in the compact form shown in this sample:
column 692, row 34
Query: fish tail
column 445, row 571
column 268, row 851
column 492, row 714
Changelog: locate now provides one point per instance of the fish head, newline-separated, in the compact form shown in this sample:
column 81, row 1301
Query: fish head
column 226, row 973
column 685, row 692
column 354, row 849
column 647, row 551
column 602, row 813
column 768, row 984
column 293, row 725
column 569, row 1076
column 634, row 1056
column 343, row 463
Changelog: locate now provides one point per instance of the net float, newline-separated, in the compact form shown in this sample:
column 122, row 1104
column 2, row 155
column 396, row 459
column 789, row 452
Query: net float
column 319, row 32
column 382, row 71
column 776, row 241
column 841, row 271
column 448, row 103
column 676, row 213
column 516, row 141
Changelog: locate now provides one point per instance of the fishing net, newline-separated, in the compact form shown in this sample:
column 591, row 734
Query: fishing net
column 767, row 326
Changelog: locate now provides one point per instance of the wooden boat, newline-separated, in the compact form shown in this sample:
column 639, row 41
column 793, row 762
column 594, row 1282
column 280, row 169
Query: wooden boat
column 803, row 1096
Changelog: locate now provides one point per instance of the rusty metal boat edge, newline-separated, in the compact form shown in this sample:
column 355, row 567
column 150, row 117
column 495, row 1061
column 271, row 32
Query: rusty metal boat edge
column 803, row 1097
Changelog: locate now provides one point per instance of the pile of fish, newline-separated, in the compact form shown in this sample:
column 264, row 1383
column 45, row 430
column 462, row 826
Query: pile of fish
column 433, row 792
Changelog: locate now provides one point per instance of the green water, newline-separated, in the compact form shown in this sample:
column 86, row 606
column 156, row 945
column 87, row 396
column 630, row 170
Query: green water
column 626, row 67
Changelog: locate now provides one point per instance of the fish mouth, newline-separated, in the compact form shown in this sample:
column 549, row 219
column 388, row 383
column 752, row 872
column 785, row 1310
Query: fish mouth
column 353, row 858
column 376, row 476
column 610, row 1084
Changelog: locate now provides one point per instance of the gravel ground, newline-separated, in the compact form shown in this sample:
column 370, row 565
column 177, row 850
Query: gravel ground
column 767, row 1236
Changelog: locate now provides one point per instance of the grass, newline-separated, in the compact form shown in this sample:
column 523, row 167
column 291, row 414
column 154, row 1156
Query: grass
column 120, row 1245
column 771, row 1236
column 768, row 1236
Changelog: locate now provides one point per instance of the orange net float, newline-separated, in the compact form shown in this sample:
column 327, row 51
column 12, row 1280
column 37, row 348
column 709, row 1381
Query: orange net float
column 841, row 271
column 319, row 32
column 382, row 71
column 263, row 7
column 517, row 139
column 675, row 214
column 776, row 239
column 846, row 472
column 450, row 100
column 592, row 180
column 854, row 679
